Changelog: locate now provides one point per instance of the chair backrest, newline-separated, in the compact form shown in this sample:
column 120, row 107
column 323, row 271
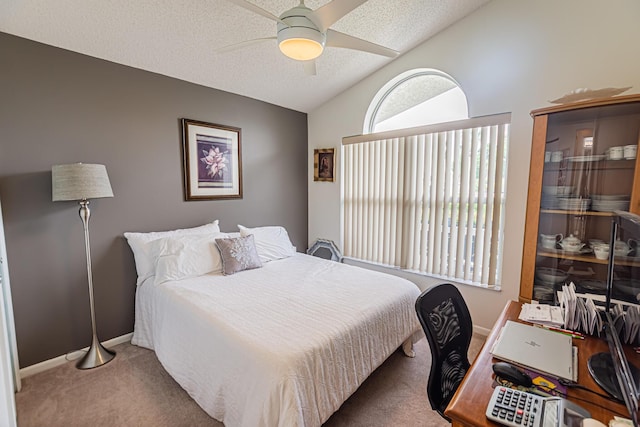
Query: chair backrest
column 446, row 322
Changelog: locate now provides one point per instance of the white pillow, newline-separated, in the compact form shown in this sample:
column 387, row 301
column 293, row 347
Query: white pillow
column 139, row 243
column 181, row 257
column 271, row 242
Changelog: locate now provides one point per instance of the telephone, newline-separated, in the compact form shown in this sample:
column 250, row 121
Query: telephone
column 516, row 408
column 562, row 412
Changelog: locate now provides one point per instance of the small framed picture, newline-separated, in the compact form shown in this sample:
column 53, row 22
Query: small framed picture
column 212, row 161
column 323, row 164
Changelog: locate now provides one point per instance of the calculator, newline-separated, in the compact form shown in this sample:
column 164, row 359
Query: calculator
column 515, row 408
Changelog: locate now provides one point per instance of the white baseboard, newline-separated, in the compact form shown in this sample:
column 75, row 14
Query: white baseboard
column 481, row 331
column 61, row 360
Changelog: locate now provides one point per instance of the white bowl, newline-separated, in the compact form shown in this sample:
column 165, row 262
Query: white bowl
column 601, row 251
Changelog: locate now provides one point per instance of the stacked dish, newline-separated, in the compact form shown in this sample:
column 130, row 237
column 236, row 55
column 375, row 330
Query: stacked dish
column 543, row 294
column 574, row 203
column 546, row 279
column 629, row 288
column 550, row 276
column 593, row 158
column 592, row 286
column 610, row 202
column 551, row 193
column 548, row 202
column 557, row 190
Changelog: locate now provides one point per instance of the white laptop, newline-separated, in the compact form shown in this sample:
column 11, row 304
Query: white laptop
column 538, row 349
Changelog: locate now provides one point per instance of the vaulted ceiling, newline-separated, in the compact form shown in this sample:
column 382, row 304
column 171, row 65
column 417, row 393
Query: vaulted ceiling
column 180, row 39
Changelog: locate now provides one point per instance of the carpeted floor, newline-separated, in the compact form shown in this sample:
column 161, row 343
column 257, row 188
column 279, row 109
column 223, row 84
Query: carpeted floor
column 134, row 390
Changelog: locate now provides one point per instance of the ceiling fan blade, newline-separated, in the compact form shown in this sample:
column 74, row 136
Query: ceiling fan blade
column 325, row 16
column 338, row 39
column 240, row 45
column 256, row 9
column 310, row 67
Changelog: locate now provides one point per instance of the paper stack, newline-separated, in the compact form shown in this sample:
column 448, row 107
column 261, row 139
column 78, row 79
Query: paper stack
column 543, row 314
column 580, row 314
column 627, row 323
column 584, row 313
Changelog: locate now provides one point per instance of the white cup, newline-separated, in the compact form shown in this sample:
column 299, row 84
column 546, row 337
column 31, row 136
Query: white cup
column 601, row 251
column 616, row 153
column 549, row 241
column 556, row 156
column 630, row 151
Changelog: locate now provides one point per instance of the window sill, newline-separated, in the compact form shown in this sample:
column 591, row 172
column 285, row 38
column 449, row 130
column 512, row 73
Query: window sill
column 407, row 274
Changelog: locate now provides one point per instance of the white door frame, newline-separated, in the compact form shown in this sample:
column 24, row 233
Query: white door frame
column 8, row 415
column 9, row 366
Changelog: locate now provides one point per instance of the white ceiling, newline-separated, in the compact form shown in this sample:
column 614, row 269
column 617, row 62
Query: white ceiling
column 178, row 39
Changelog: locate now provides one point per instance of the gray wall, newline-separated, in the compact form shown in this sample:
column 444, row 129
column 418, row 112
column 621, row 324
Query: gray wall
column 61, row 107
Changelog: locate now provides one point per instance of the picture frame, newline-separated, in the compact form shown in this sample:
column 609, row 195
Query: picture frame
column 212, row 161
column 324, row 164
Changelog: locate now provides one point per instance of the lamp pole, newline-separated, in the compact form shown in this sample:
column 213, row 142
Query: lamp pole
column 97, row 354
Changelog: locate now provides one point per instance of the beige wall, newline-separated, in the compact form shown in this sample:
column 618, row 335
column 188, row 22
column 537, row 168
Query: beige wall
column 509, row 56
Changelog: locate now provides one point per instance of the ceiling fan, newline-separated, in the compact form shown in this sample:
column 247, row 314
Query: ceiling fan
column 304, row 33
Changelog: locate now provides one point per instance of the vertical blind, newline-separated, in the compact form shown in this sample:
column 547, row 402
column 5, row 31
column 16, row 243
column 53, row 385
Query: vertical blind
column 429, row 199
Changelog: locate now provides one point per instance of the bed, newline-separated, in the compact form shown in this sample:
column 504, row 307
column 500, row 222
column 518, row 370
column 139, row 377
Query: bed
column 283, row 344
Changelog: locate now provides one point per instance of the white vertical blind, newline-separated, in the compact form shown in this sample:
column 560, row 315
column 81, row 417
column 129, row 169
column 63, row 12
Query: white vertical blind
column 429, row 199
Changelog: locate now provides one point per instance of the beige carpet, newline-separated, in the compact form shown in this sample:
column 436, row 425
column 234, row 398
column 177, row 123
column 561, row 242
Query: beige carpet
column 134, row 390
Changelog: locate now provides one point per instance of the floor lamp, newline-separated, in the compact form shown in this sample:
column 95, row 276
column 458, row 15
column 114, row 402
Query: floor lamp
column 80, row 181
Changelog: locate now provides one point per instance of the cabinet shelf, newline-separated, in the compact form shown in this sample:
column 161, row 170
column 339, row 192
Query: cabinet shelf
column 598, row 165
column 589, row 258
column 575, row 257
column 576, row 213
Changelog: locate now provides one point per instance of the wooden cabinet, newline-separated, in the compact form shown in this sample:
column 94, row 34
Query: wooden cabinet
column 580, row 172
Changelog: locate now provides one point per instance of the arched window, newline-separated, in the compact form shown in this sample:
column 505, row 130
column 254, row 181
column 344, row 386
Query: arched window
column 416, row 98
column 424, row 188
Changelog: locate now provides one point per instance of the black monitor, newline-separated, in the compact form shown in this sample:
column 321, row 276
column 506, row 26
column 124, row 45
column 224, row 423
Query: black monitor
column 611, row 370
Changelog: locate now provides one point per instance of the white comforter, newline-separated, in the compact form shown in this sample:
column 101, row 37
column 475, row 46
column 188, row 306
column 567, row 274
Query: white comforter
column 282, row 345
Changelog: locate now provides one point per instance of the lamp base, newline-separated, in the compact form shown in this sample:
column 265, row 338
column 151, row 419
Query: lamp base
column 97, row 355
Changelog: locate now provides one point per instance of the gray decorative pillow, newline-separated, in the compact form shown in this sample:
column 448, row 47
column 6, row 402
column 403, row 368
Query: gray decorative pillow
column 238, row 254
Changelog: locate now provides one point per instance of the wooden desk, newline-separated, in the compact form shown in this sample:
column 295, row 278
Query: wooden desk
column 470, row 401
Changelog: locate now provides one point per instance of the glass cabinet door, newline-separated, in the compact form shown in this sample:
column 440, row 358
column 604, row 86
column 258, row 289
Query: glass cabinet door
column 588, row 172
column 625, row 284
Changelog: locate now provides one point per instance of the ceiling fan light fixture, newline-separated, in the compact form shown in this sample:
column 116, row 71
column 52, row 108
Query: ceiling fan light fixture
column 301, row 49
column 301, row 43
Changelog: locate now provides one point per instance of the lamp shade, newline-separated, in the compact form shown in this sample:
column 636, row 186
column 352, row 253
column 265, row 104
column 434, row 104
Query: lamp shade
column 79, row 181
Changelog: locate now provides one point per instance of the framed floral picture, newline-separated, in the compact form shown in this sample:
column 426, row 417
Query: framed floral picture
column 212, row 161
column 323, row 164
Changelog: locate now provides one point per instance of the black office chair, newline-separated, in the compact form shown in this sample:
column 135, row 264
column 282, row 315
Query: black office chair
column 446, row 321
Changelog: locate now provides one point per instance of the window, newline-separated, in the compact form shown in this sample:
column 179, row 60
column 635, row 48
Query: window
column 416, row 98
column 429, row 199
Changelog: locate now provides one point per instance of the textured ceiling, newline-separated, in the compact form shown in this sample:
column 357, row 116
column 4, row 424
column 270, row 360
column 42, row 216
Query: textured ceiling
column 179, row 38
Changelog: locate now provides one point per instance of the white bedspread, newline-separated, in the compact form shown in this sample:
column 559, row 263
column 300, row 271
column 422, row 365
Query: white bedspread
column 282, row 345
